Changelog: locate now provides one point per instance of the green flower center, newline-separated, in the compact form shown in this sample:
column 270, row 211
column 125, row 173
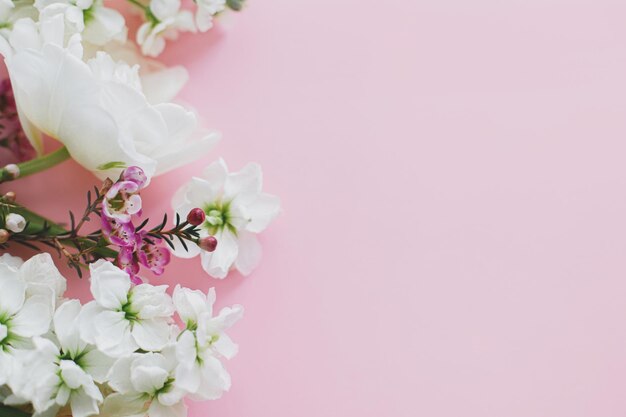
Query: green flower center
column 218, row 217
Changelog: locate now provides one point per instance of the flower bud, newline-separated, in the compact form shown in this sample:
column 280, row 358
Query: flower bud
column 4, row 236
column 208, row 243
column 9, row 197
column 196, row 216
column 136, row 175
column 15, row 222
column 13, row 170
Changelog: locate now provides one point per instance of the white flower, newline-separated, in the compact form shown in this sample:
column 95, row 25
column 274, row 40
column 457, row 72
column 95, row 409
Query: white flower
column 158, row 82
column 200, row 371
column 122, row 319
column 236, row 210
column 15, row 222
column 206, row 10
column 96, row 109
column 21, row 317
column 62, row 370
column 98, row 24
column 42, row 277
column 145, row 384
column 168, row 20
column 11, row 11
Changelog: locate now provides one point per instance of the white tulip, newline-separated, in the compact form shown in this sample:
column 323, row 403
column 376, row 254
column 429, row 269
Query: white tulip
column 95, row 108
column 236, row 210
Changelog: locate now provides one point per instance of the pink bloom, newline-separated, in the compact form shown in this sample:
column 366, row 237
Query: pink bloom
column 119, row 233
column 136, row 175
column 127, row 261
column 152, row 255
column 122, row 201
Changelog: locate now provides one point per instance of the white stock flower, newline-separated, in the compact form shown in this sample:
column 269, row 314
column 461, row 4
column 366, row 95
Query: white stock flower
column 21, row 317
column 168, row 19
column 62, row 370
column 205, row 12
column 145, row 384
column 159, row 83
column 122, row 319
column 200, row 371
column 236, row 210
column 95, row 108
column 98, row 24
column 15, row 222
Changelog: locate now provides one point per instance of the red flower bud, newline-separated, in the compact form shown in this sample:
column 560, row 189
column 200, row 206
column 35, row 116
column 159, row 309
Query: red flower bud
column 208, row 243
column 196, row 217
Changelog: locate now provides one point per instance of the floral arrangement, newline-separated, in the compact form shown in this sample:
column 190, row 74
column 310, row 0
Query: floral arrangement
column 78, row 84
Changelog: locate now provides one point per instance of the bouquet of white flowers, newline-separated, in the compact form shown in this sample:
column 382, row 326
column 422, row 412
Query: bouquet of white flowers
column 135, row 349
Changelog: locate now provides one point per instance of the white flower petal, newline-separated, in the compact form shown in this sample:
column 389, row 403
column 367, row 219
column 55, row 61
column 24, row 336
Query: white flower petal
column 244, row 186
column 151, row 334
column 73, row 376
column 67, row 328
column 250, row 253
column 148, row 379
column 118, row 405
column 225, row 346
column 151, row 301
column 106, row 24
column 261, row 212
column 97, row 365
column 158, row 410
column 190, row 304
column 83, row 405
column 40, row 273
column 218, row 263
column 119, row 376
column 34, row 317
column 86, row 320
column 109, row 285
column 12, row 292
column 114, row 334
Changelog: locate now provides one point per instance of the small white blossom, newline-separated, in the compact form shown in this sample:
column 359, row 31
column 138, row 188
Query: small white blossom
column 146, row 384
column 15, row 222
column 62, row 370
column 122, row 318
column 97, row 24
column 205, row 12
column 202, row 343
column 236, row 210
column 169, row 19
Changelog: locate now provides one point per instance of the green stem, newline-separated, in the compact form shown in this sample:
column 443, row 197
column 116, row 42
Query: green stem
column 36, row 224
column 35, row 165
column 138, row 4
column 12, row 412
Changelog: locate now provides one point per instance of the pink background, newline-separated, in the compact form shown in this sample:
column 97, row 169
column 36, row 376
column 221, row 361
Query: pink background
column 452, row 176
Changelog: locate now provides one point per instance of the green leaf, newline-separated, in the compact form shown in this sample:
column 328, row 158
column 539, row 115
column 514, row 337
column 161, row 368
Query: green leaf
column 12, row 412
column 111, row 165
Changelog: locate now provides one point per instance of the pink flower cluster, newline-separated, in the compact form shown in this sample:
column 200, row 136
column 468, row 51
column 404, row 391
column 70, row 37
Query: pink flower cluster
column 136, row 248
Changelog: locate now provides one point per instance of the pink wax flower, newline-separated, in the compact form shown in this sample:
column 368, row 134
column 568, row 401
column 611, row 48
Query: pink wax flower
column 118, row 233
column 153, row 255
column 122, row 200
